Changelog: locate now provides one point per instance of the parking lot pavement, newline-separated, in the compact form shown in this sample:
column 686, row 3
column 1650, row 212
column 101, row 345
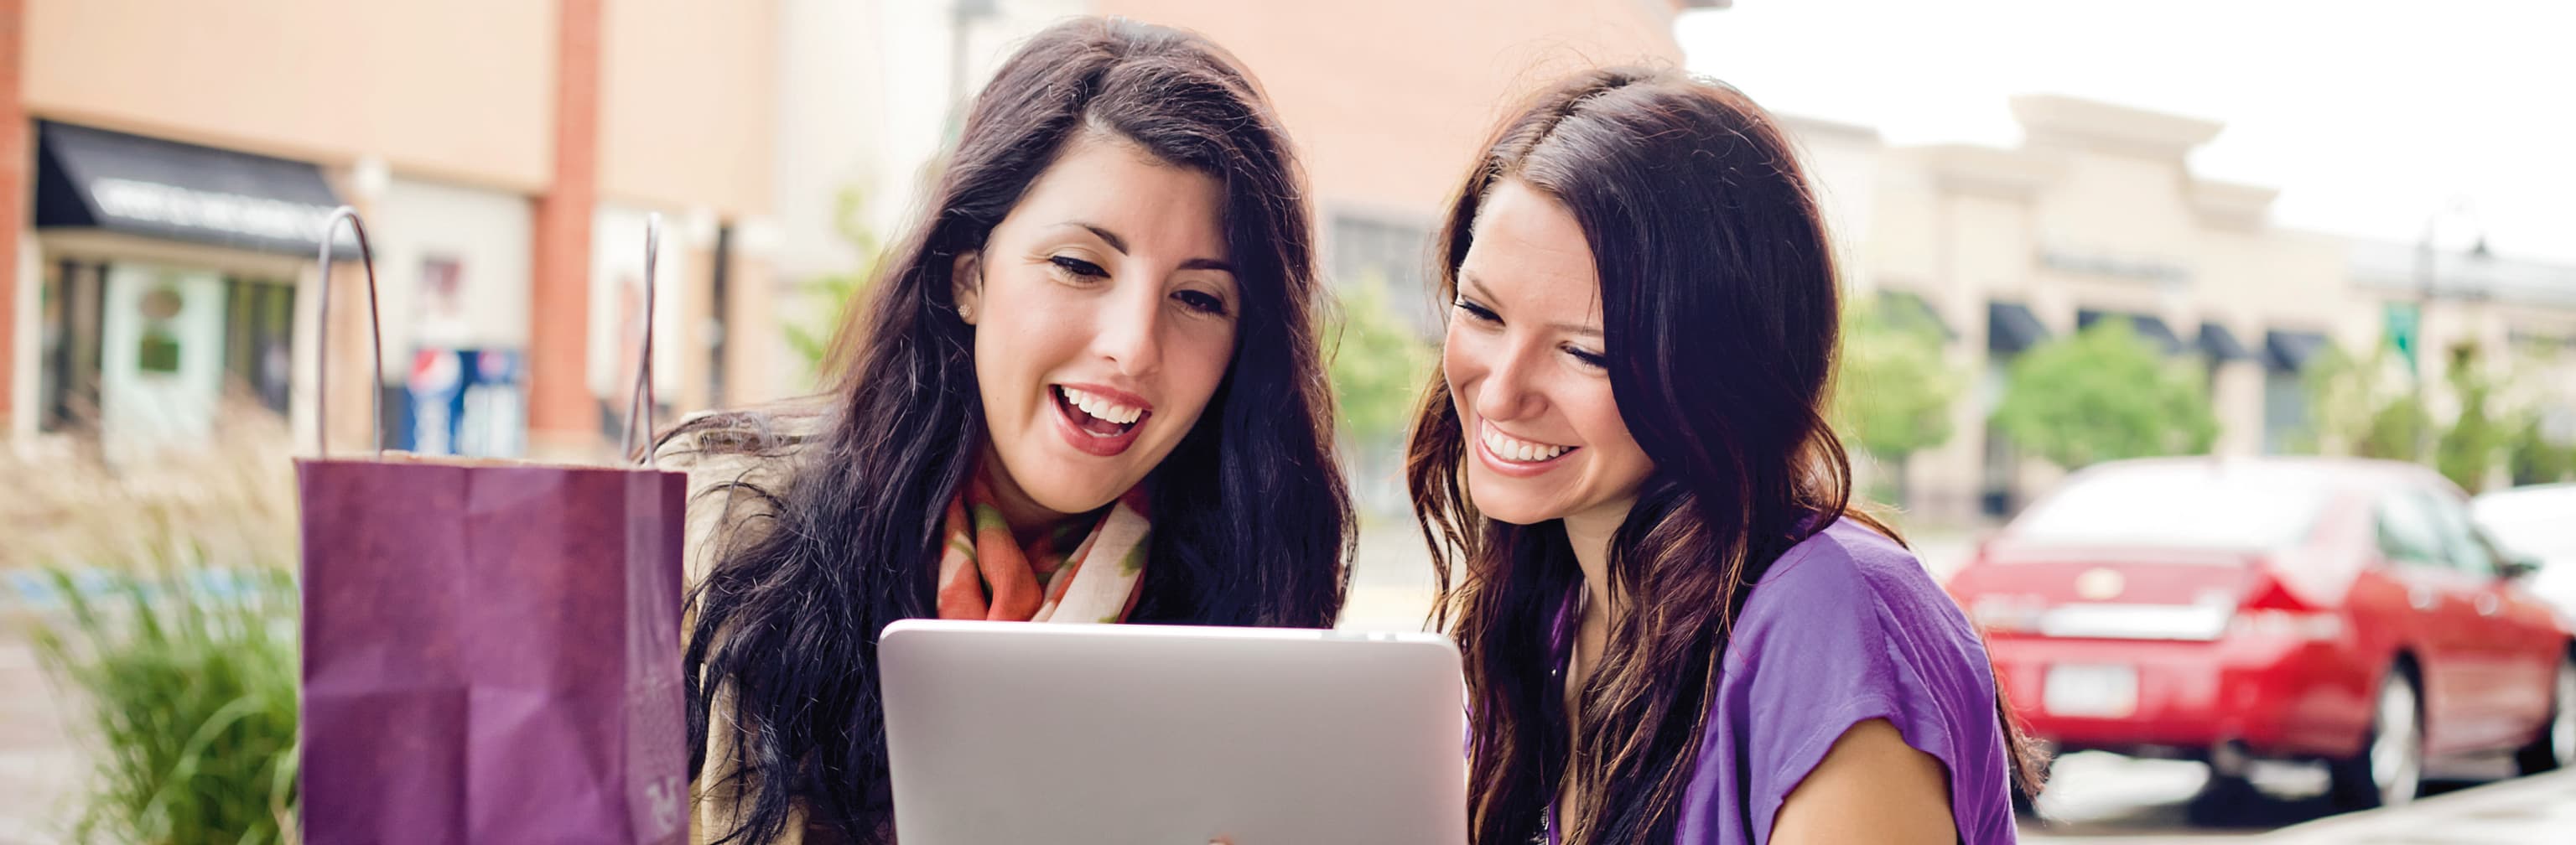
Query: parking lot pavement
column 2535, row 809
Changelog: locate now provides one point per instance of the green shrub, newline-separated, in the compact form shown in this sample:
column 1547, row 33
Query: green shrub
column 188, row 681
column 165, row 611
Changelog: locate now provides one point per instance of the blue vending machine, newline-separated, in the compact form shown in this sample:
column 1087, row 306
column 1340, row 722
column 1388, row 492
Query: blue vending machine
column 466, row 402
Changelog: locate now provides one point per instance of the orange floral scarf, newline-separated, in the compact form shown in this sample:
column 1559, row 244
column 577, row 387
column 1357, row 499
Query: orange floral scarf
column 1078, row 573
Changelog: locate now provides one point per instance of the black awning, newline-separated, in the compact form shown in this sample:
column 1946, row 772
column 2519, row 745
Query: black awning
column 2220, row 344
column 2292, row 351
column 1906, row 307
column 94, row 178
column 2148, row 326
column 2011, row 328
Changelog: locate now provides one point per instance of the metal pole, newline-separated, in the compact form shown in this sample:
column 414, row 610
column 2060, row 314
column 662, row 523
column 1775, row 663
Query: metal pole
column 2423, row 301
column 2458, row 208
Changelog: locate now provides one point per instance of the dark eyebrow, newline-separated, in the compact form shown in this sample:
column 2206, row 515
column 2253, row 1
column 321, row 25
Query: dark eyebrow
column 1115, row 242
column 1119, row 245
column 1467, row 281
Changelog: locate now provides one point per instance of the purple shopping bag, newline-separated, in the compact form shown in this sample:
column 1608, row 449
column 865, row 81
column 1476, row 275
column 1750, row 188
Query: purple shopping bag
column 491, row 650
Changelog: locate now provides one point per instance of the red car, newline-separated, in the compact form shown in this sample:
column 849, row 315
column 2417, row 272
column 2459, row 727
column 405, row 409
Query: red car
column 2227, row 610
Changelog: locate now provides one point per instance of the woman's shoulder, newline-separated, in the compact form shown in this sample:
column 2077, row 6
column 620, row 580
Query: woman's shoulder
column 1848, row 627
column 739, row 462
column 1853, row 566
column 1850, row 618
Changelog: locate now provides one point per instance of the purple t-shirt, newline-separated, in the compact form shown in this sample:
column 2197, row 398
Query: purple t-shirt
column 1845, row 628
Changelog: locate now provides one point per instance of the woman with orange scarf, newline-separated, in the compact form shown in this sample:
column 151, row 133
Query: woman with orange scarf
column 1086, row 389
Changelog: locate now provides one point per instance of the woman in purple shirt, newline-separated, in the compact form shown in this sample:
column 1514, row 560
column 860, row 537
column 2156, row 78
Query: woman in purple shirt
column 1676, row 626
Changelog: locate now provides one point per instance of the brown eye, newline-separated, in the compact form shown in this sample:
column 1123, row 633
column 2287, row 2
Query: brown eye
column 1202, row 302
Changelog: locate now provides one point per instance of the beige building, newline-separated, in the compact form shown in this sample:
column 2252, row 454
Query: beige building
column 1390, row 102
column 1386, row 102
column 504, row 155
column 2097, row 214
column 178, row 157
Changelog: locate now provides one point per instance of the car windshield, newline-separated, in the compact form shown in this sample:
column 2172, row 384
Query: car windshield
column 2211, row 505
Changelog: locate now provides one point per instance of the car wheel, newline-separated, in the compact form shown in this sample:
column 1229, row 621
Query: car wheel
column 2390, row 768
column 2226, row 800
column 2555, row 748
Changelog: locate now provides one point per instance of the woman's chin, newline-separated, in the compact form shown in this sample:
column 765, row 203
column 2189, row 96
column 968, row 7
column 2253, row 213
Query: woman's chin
column 1513, row 510
column 1084, row 485
column 1073, row 501
column 1061, row 480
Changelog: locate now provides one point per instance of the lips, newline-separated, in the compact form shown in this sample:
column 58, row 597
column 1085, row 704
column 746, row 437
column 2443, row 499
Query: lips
column 1096, row 419
column 1513, row 456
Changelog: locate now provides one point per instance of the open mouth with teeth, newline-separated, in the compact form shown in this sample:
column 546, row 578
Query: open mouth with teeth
column 1096, row 415
column 1517, row 451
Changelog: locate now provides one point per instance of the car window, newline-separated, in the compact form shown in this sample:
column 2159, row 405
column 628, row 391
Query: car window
column 2460, row 545
column 2185, row 505
column 2407, row 535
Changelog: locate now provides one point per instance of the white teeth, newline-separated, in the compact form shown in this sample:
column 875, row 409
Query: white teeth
column 1101, row 407
column 1515, row 449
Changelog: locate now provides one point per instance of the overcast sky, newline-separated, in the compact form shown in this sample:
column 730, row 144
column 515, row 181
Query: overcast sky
column 2370, row 116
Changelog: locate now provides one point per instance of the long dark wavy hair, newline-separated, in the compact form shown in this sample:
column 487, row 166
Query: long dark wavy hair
column 1720, row 319
column 1252, row 521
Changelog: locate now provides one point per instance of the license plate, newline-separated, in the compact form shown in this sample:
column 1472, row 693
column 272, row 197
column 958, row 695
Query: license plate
column 2105, row 692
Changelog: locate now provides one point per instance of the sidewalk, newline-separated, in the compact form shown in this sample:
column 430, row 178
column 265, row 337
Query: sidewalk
column 40, row 767
column 1391, row 580
column 2537, row 809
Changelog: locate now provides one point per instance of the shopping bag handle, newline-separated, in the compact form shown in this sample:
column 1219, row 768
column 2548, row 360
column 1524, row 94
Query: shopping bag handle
column 639, row 405
column 322, row 338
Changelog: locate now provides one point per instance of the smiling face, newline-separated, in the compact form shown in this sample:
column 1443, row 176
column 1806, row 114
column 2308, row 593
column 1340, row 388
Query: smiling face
column 1523, row 359
column 1104, row 310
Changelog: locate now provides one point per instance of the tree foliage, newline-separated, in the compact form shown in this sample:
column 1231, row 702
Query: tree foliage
column 1379, row 366
column 2105, row 394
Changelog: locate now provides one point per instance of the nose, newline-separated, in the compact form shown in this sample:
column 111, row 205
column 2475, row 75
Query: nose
column 1509, row 390
column 1130, row 332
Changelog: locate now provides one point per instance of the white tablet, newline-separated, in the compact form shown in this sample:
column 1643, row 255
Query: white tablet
column 1003, row 733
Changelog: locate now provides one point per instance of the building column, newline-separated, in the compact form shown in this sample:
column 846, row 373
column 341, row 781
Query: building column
column 686, row 337
column 16, row 160
column 2236, row 393
column 754, row 361
column 563, row 418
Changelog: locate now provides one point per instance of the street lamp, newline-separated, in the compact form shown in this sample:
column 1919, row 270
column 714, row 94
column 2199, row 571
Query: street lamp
column 2409, row 336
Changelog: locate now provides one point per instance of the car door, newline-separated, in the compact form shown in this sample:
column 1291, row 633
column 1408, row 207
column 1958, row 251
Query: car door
column 2515, row 653
column 2442, row 612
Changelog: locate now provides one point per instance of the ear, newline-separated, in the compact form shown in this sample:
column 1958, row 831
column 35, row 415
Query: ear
column 966, row 284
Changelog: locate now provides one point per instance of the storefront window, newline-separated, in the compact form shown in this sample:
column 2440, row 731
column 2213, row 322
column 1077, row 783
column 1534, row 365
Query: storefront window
column 259, row 343
column 2285, row 413
column 68, row 386
column 1367, row 250
column 50, row 320
column 159, row 351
